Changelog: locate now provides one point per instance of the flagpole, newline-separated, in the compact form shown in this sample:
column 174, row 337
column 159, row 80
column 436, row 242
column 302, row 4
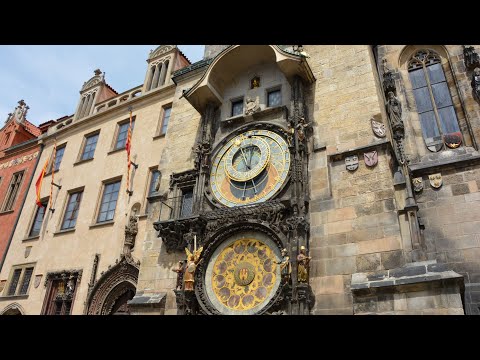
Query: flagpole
column 53, row 174
column 128, row 147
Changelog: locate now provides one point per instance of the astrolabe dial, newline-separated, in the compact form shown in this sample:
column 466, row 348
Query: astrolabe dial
column 250, row 168
column 247, row 158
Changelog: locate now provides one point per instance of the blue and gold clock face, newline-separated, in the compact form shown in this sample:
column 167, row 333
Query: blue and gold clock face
column 250, row 168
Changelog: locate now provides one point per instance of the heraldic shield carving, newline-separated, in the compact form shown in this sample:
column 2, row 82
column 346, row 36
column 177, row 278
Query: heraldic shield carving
column 436, row 180
column 378, row 129
column 417, row 184
column 371, row 158
column 351, row 162
column 453, row 140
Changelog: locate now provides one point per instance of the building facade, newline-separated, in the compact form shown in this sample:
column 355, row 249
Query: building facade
column 19, row 153
column 84, row 256
column 271, row 180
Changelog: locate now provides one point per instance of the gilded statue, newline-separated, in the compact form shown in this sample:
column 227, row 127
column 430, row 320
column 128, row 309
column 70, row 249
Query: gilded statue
column 285, row 266
column 192, row 261
column 303, row 264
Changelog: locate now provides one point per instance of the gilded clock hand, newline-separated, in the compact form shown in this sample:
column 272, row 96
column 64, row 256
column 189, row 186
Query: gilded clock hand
column 254, row 187
column 245, row 159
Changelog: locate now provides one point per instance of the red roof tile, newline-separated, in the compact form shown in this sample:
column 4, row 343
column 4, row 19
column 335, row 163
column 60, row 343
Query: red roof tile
column 111, row 88
column 32, row 129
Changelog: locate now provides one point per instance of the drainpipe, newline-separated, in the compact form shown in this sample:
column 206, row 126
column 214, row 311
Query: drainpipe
column 20, row 209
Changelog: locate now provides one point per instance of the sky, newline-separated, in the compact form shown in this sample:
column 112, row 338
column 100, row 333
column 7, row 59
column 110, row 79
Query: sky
column 49, row 77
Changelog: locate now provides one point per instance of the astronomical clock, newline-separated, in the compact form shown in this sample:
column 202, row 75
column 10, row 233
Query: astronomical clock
column 242, row 275
column 248, row 225
column 250, row 168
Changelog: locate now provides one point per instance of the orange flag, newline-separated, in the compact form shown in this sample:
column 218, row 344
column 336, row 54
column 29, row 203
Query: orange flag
column 53, row 171
column 38, row 184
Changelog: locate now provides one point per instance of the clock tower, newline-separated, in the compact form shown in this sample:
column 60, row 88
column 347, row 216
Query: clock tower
column 248, row 221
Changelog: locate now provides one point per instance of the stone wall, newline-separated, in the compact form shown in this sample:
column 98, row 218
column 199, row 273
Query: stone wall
column 156, row 275
column 354, row 225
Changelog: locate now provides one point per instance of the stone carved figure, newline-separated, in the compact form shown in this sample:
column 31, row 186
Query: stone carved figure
column 131, row 231
column 70, row 288
column 180, row 271
column 192, row 262
column 252, row 106
column 20, row 111
column 394, row 109
column 202, row 155
column 476, row 83
column 302, row 127
column 303, row 265
column 470, row 57
column 188, row 237
column 285, row 266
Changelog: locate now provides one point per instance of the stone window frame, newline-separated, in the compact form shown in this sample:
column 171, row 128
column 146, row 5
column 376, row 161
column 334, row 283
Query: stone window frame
column 53, row 277
column 117, row 131
column 64, row 208
column 161, row 120
column 236, row 100
column 8, row 194
column 50, row 161
column 31, row 222
column 146, row 194
column 84, row 143
column 179, row 182
column 99, row 200
column 272, row 89
column 452, row 83
column 21, row 279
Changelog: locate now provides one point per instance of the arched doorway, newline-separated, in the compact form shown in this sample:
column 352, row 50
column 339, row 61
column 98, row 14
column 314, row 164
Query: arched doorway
column 111, row 293
column 13, row 309
column 116, row 301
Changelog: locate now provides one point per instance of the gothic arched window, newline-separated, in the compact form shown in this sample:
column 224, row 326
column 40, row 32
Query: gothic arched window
column 432, row 97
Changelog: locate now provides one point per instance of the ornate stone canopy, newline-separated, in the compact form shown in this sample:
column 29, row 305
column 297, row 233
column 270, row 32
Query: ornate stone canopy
column 236, row 60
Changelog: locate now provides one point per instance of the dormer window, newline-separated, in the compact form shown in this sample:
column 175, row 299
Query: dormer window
column 157, row 75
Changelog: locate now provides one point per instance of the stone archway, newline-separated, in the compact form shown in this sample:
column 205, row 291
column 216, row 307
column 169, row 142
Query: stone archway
column 13, row 309
column 114, row 289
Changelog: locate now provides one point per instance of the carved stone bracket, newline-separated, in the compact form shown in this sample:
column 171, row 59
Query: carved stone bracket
column 177, row 234
column 182, row 177
column 271, row 213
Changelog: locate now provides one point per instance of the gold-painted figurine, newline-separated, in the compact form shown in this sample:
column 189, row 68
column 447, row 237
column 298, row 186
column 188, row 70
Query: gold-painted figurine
column 192, row 261
column 303, row 264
